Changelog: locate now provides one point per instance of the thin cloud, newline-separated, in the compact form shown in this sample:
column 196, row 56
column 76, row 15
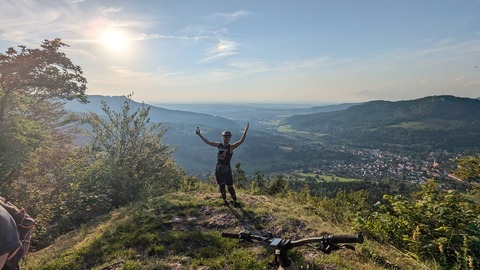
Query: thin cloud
column 124, row 72
column 107, row 10
column 218, row 75
column 250, row 65
column 226, row 18
column 31, row 23
column 222, row 49
column 131, row 23
column 143, row 36
column 120, row 75
column 203, row 32
column 446, row 47
column 232, row 16
column 27, row 22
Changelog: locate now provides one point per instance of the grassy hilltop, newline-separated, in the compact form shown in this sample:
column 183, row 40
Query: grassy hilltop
column 182, row 230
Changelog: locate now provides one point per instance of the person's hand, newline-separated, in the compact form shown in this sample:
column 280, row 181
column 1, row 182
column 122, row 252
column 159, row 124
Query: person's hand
column 197, row 131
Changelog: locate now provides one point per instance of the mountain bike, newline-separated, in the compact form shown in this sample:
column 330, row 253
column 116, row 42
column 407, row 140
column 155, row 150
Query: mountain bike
column 325, row 244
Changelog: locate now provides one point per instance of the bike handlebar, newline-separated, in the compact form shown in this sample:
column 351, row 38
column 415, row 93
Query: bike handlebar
column 326, row 239
column 346, row 238
column 247, row 236
column 231, row 235
column 330, row 239
column 327, row 243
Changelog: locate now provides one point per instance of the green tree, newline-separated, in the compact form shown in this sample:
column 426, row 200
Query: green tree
column 468, row 169
column 61, row 188
column 258, row 183
column 277, row 185
column 32, row 84
column 133, row 149
column 239, row 175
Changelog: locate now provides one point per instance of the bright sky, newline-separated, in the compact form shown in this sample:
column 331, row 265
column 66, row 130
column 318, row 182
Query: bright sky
column 295, row 51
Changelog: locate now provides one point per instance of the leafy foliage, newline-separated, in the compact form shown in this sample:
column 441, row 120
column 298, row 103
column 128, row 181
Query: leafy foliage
column 469, row 169
column 277, row 185
column 64, row 186
column 133, row 153
column 434, row 225
column 32, row 82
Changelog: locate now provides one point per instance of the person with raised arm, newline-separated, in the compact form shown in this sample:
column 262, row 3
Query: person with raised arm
column 223, row 169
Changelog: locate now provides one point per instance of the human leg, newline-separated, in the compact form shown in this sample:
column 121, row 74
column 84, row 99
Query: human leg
column 223, row 191
column 231, row 189
column 221, row 185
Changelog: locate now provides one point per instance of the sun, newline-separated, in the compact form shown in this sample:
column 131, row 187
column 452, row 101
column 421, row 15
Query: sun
column 115, row 40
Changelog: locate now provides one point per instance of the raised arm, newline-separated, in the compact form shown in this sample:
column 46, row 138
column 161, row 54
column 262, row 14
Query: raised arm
column 238, row 143
column 214, row 144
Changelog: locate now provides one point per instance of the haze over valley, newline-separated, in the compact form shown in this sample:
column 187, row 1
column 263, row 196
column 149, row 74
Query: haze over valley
column 410, row 140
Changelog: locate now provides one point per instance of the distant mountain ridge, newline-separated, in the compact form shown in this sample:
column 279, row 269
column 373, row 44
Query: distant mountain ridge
column 157, row 114
column 441, row 121
column 331, row 108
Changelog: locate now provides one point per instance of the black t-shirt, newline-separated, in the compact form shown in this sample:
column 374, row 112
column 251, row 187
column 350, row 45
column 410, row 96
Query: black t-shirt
column 224, row 154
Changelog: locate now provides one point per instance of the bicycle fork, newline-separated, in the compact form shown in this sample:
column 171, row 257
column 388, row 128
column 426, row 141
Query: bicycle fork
column 284, row 263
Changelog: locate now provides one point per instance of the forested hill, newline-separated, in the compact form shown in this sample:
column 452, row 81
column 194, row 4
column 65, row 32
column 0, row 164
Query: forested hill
column 437, row 121
column 156, row 114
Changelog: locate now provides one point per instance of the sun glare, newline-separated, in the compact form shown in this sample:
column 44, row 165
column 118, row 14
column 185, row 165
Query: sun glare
column 222, row 46
column 114, row 40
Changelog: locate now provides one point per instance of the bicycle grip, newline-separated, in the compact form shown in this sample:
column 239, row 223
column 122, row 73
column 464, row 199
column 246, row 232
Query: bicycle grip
column 346, row 238
column 231, row 235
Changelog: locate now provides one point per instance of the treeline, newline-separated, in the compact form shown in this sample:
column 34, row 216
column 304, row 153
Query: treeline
column 64, row 186
column 427, row 123
column 43, row 170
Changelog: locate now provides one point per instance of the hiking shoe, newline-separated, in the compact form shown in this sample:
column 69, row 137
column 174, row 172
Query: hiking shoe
column 225, row 203
column 236, row 204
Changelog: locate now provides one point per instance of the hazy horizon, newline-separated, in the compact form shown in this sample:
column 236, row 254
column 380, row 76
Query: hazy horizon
column 309, row 51
column 262, row 103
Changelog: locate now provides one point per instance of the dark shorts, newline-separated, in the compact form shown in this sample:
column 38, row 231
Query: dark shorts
column 224, row 175
column 9, row 241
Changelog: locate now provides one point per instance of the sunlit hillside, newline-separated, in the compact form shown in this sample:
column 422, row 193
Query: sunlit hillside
column 183, row 231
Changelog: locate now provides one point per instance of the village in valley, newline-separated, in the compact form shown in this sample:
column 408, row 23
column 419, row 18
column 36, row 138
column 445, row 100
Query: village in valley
column 375, row 164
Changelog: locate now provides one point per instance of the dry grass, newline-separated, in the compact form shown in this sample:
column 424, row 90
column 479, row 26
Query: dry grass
column 182, row 214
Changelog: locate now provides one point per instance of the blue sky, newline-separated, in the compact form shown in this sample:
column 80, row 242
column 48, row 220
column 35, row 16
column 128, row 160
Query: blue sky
column 305, row 51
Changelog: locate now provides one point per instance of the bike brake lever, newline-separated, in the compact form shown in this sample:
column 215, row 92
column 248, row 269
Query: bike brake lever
column 328, row 248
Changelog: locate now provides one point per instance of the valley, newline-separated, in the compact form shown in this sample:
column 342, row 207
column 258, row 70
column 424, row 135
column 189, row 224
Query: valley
column 362, row 141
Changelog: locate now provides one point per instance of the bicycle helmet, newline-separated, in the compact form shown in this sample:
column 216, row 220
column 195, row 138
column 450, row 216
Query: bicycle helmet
column 226, row 133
